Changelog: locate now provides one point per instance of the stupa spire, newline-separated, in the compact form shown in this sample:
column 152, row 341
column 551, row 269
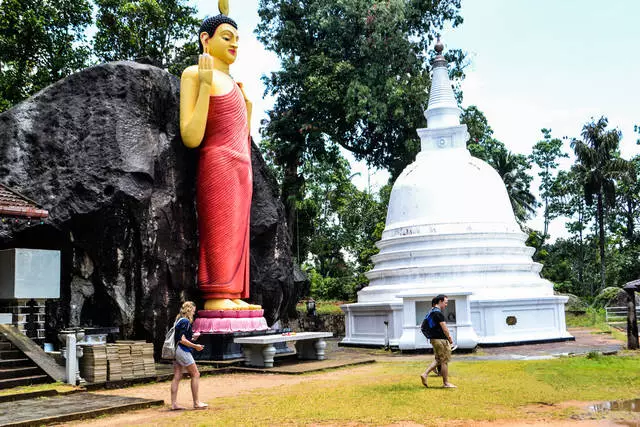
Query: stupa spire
column 442, row 110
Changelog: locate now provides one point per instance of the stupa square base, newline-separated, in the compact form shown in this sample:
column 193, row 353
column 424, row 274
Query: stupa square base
column 474, row 322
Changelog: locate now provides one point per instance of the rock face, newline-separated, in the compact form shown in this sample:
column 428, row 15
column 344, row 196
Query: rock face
column 101, row 151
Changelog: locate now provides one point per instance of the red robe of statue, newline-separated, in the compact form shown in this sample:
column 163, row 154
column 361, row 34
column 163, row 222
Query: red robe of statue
column 224, row 189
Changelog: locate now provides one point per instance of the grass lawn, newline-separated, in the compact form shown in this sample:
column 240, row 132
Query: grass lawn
column 391, row 392
column 59, row 387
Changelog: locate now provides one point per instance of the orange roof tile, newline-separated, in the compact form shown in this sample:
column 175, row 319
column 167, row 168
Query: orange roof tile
column 13, row 203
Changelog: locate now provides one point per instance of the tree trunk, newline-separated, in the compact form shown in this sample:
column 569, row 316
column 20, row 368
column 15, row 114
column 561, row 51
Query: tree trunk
column 600, row 218
column 630, row 220
column 546, row 219
column 632, row 321
column 291, row 188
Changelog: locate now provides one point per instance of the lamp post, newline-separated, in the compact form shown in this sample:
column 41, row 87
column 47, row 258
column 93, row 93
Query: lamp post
column 311, row 307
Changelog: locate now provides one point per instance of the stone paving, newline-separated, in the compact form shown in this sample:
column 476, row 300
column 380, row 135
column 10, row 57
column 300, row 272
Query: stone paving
column 47, row 410
column 586, row 340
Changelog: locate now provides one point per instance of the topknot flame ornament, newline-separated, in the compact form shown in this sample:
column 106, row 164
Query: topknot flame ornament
column 223, row 7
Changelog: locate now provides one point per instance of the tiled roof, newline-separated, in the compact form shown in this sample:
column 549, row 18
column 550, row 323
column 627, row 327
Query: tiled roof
column 15, row 204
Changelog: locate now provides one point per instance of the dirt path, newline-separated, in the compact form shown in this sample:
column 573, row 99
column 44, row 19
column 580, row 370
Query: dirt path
column 210, row 389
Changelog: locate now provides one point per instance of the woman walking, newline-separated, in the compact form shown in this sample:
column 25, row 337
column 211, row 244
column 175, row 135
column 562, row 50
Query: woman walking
column 184, row 359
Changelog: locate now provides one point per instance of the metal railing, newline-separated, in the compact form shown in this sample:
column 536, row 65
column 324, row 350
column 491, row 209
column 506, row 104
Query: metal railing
column 617, row 314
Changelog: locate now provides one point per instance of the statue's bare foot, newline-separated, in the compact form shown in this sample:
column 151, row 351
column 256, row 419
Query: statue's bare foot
column 246, row 306
column 220, row 304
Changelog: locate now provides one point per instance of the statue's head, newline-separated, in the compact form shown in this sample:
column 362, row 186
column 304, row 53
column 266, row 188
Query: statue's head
column 219, row 38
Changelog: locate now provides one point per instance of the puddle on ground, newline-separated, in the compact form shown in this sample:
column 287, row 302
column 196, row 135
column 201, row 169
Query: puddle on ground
column 631, row 405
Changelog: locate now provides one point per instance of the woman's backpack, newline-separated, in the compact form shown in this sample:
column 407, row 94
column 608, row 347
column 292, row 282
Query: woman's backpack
column 169, row 346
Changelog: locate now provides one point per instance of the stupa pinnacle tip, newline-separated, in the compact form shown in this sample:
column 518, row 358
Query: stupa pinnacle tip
column 439, row 46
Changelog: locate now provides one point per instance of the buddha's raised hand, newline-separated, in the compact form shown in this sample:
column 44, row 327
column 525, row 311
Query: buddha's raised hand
column 205, row 69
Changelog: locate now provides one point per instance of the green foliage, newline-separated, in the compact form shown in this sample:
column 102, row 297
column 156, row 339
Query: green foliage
column 354, row 74
column 163, row 30
column 545, row 155
column 353, row 70
column 593, row 317
column 599, row 165
column 40, row 43
column 512, row 168
column 605, row 296
column 333, row 288
column 322, row 307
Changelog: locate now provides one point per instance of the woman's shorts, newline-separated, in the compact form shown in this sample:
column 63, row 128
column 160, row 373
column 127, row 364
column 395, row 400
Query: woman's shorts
column 183, row 358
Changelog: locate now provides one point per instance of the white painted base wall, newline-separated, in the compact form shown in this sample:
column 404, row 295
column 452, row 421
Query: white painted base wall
column 537, row 319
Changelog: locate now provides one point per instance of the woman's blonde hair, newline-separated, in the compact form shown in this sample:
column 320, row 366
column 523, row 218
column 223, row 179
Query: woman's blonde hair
column 186, row 310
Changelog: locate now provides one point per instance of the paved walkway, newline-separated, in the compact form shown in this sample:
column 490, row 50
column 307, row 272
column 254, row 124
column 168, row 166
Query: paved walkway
column 586, row 340
column 81, row 405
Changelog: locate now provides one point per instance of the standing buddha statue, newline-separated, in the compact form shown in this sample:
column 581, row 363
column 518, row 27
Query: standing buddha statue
column 215, row 115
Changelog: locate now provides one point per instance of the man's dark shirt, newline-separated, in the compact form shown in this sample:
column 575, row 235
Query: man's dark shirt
column 431, row 325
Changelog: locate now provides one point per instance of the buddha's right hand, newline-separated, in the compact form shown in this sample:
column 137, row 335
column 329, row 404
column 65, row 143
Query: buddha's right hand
column 205, row 69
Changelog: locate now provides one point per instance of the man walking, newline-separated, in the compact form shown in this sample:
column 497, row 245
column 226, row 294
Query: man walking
column 435, row 329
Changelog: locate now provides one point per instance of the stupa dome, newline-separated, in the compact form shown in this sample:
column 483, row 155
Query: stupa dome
column 473, row 191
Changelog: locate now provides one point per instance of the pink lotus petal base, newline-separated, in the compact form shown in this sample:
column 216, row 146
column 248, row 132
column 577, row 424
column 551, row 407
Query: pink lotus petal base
column 217, row 325
column 230, row 314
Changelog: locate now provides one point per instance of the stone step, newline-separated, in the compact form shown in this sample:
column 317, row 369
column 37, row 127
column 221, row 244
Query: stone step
column 22, row 371
column 455, row 270
column 24, row 381
column 5, row 344
column 18, row 362
column 13, row 353
column 438, row 253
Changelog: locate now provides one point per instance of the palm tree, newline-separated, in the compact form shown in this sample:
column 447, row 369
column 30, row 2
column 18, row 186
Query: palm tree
column 512, row 169
column 599, row 165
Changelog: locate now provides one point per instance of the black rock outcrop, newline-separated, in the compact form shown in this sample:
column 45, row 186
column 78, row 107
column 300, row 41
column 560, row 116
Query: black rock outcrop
column 101, row 151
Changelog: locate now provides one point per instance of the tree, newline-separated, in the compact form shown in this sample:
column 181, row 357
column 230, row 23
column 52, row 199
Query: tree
column 566, row 199
column 512, row 168
column 481, row 142
column 354, row 72
column 599, row 165
column 545, row 155
column 156, row 29
column 627, row 214
column 337, row 226
column 40, row 43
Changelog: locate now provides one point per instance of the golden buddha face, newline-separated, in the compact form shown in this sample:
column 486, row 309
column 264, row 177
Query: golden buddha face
column 223, row 45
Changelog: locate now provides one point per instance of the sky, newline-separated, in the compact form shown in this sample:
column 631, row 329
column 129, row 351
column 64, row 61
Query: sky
column 532, row 65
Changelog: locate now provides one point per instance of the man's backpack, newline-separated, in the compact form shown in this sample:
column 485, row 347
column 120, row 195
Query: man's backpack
column 169, row 346
column 424, row 327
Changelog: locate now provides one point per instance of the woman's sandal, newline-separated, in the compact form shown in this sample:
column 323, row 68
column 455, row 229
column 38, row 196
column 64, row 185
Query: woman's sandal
column 200, row 406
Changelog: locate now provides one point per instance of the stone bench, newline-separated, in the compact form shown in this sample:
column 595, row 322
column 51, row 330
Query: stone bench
column 259, row 350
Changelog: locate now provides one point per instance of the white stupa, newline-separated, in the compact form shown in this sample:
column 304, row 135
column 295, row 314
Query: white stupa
column 451, row 230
